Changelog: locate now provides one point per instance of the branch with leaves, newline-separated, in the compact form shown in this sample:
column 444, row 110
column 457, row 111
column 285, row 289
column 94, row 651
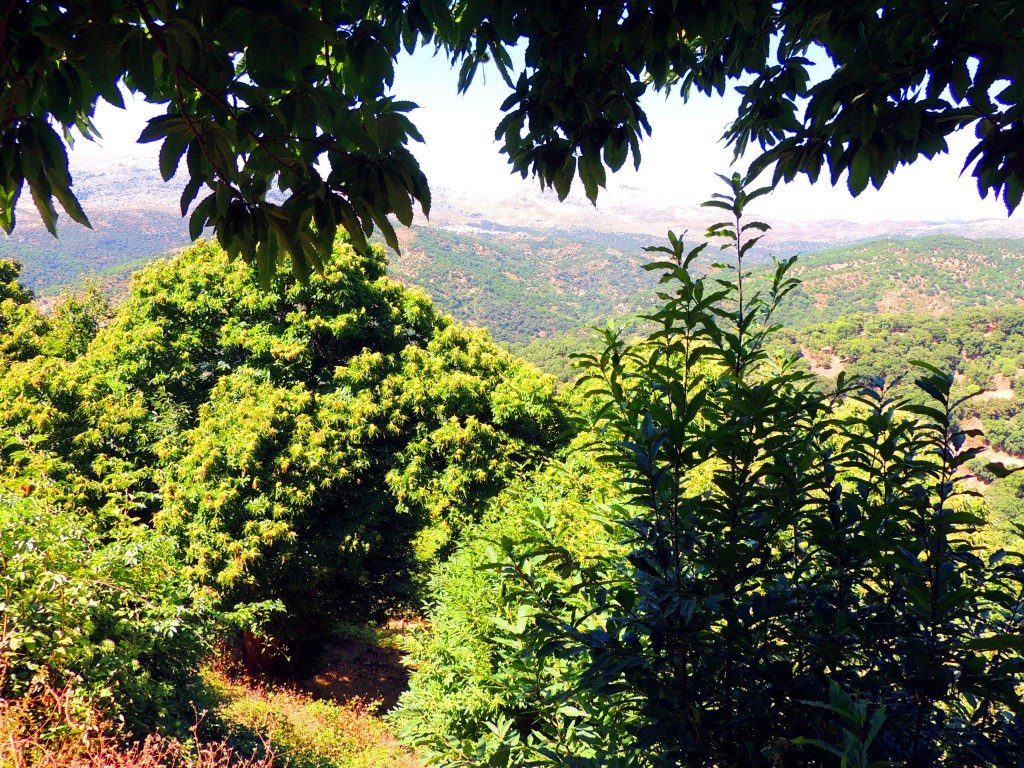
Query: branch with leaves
column 282, row 110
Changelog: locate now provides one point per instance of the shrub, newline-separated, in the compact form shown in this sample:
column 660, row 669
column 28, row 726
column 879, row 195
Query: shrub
column 87, row 742
column 462, row 680
column 102, row 614
column 340, row 437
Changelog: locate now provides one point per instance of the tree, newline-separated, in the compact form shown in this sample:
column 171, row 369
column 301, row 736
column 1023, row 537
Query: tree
column 788, row 577
column 262, row 93
column 312, row 446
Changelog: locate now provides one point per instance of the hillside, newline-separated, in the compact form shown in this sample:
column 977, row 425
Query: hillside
column 536, row 282
column 905, row 284
column 121, row 240
column 524, row 285
column 926, row 276
column 560, row 257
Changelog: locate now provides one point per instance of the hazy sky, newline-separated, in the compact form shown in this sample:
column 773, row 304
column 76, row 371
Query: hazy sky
column 678, row 166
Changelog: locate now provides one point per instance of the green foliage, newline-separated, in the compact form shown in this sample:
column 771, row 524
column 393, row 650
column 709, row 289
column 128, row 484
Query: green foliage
column 882, row 103
column 555, row 354
column 471, row 668
column 103, row 613
column 853, row 753
column 124, row 241
column 75, row 321
column 350, row 436
column 314, row 446
column 20, row 323
column 261, row 92
column 981, row 346
column 10, row 286
column 243, row 124
column 1005, row 495
column 796, row 579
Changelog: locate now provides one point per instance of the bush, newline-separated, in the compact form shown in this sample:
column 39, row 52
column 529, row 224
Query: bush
column 103, row 615
column 462, row 681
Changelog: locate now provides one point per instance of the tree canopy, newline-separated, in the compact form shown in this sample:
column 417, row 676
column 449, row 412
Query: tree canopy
column 312, row 446
column 283, row 114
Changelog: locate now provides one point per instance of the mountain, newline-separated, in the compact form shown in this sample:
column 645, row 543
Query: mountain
column 524, row 285
column 633, row 211
column 135, row 216
column 535, row 271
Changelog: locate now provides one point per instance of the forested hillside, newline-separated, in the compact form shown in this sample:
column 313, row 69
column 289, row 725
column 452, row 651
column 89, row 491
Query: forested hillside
column 522, row 285
column 121, row 240
column 536, row 293
column 538, row 290
column 924, row 276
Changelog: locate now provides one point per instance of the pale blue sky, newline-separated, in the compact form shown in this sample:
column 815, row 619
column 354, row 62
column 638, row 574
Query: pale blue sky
column 679, row 160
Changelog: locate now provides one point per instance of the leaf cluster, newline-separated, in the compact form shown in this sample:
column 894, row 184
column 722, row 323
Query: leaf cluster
column 259, row 94
column 476, row 681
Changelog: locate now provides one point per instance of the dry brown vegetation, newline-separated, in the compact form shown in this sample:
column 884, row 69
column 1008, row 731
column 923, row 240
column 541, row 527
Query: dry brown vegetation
column 334, row 727
column 52, row 730
column 823, row 362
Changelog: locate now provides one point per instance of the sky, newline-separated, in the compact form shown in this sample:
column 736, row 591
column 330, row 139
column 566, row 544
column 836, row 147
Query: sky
column 678, row 166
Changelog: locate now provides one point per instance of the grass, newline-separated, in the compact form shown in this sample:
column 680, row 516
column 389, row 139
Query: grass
column 50, row 729
column 305, row 732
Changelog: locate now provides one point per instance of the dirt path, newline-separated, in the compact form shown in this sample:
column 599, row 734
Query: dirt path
column 357, row 670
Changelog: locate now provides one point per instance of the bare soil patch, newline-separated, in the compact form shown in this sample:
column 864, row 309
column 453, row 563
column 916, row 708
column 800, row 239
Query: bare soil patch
column 354, row 669
column 1003, row 389
column 830, row 370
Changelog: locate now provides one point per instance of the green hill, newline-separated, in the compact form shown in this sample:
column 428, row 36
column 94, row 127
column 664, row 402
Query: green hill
column 522, row 285
column 926, row 276
column 537, row 290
